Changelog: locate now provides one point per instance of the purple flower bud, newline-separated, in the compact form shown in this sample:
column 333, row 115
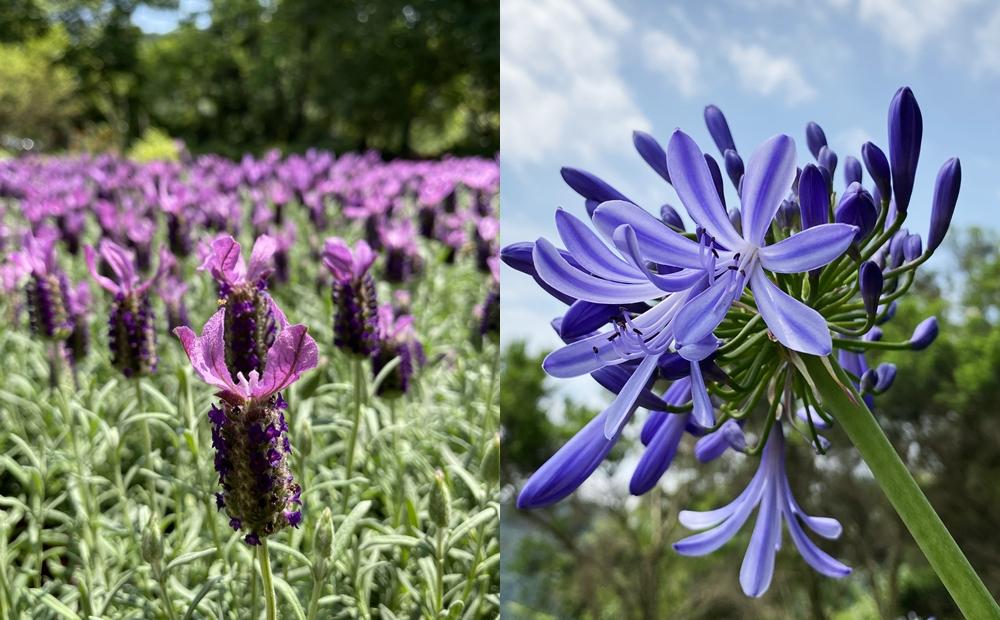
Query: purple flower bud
column 828, row 159
column 906, row 127
column 870, row 281
column 890, row 312
column 912, row 247
column 874, row 334
column 815, row 138
column 589, row 186
column 670, row 217
column 878, row 169
column 949, row 180
column 852, row 170
column 734, row 166
column 396, row 339
column 856, row 207
column 869, row 380
column 814, row 198
column 131, row 334
column 713, row 167
column 355, row 323
column 886, row 376
column 719, row 129
column 651, row 152
column 519, row 256
column 924, row 334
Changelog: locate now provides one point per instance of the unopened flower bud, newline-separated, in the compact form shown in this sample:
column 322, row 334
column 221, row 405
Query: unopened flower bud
column 713, row 168
column 828, row 159
column 151, row 545
column 924, row 334
column 718, row 127
column 906, row 128
column 886, row 376
column 670, row 217
column 814, row 198
column 856, row 207
column 870, row 280
column 439, row 503
column 652, row 153
column 734, row 166
column 912, row 248
column 815, row 138
column 878, row 169
column 949, row 180
column 852, row 170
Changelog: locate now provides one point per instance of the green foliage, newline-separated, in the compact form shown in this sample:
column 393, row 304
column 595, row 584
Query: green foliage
column 76, row 535
column 36, row 101
column 407, row 77
column 154, row 145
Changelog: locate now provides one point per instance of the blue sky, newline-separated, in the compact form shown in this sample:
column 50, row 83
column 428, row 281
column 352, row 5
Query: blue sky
column 578, row 77
column 159, row 21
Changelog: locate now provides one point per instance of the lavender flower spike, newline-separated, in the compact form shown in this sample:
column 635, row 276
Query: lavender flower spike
column 131, row 334
column 251, row 320
column 355, row 323
column 769, row 489
column 47, row 289
column 249, row 430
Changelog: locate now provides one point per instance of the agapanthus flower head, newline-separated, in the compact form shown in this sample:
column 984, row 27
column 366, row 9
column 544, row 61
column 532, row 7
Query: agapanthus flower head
column 249, row 428
column 736, row 307
column 131, row 331
column 355, row 322
column 396, row 338
column 251, row 317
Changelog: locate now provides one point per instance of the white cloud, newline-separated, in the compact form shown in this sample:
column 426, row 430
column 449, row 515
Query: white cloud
column 909, row 24
column 559, row 77
column 987, row 37
column 764, row 73
column 849, row 141
column 665, row 54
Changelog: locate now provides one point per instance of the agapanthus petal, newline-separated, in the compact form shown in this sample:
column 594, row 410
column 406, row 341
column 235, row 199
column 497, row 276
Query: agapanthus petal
column 555, row 271
column 623, row 405
column 702, row 411
column 583, row 317
column 713, row 445
column 809, row 249
column 569, row 467
column 658, row 242
column 730, row 519
column 757, row 569
column 659, row 454
column 700, row 316
column 767, row 181
column 794, row 324
column 696, row 189
column 519, row 256
column 587, row 248
column 626, row 240
column 614, row 378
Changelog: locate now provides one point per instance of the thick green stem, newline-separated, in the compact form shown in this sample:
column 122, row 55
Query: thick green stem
column 355, row 423
column 931, row 535
column 265, row 575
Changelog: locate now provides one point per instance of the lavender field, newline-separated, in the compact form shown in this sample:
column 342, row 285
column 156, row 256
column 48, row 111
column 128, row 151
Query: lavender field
column 238, row 389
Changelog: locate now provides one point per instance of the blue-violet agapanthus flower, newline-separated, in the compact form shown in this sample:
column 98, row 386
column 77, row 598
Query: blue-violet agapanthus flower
column 734, row 306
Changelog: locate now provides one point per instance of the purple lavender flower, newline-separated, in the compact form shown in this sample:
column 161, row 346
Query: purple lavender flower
column 396, row 339
column 402, row 256
column 251, row 317
column 47, row 289
column 769, row 489
column 355, row 323
column 131, row 333
column 489, row 311
column 249, row 429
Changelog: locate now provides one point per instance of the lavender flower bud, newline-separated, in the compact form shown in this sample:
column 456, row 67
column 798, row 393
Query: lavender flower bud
column 397, row 382
column 439, row 502
column 878, row 169
column 949, row 180
column 132, row 335
column 259, row 493
column 713, row 167
column 734, row 166
column 670, row 217
column 906, row 127
column 151, row 545
column 815, row 138
column 856, row 207
column 489, row 322
column 852, row 170
column 924, row 334
column 870, row 281
column 426, row 220
column 828, row 159
column 652, row 153
column 178, row 235
column 719, row 129
column 489, row 467
column 814, row 198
